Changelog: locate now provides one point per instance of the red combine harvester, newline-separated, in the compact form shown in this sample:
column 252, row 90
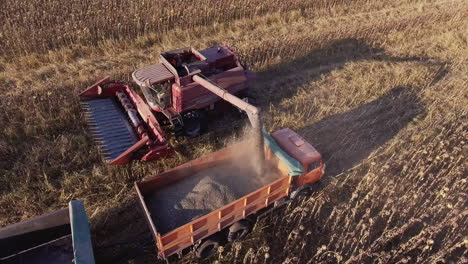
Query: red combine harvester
column 169, row 87
column 126, row 128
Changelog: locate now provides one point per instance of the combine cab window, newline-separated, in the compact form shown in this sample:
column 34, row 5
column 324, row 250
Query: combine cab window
column 313, row 166
column 159, row 95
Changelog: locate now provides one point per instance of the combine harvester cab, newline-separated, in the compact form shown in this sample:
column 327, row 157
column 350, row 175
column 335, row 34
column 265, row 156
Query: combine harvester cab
column 169, row 88
column 61, row 237
column 122, row 124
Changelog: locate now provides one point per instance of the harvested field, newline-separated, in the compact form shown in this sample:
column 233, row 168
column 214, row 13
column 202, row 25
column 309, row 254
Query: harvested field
column 378, row 87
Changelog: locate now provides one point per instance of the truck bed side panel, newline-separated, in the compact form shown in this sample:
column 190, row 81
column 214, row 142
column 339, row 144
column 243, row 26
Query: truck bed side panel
column 215, row 221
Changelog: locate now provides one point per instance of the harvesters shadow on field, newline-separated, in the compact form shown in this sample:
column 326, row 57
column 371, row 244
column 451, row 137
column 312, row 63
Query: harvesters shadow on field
column 344, row 139
column 347, row 138
column 281, row 81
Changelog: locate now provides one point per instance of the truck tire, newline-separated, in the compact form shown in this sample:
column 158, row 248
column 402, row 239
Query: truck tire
column 208, row 247
column 303, row 194
column 238, row 230
column 306, row 191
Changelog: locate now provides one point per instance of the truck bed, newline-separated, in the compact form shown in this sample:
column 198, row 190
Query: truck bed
column 206, row 191
column 206, row 195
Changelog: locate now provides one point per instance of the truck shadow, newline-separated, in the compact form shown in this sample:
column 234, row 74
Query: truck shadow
column 346, row 139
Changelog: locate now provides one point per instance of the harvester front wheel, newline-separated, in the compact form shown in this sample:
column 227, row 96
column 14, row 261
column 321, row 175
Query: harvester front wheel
column 193, row 123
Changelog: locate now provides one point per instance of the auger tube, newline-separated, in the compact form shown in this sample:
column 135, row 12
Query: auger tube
column 252, row 112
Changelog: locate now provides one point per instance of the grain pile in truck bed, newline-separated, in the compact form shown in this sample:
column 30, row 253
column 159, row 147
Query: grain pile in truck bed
column 208, row 190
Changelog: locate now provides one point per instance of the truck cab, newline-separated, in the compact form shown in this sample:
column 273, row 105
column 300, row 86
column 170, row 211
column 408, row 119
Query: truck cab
column 309, row 158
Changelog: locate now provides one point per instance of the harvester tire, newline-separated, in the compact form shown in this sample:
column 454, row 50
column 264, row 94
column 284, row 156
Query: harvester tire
column 238, row 230
column 192, row 123
column 208, row 248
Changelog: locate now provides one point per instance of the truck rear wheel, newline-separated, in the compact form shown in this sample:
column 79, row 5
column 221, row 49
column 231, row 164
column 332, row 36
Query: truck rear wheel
column 208, row 248
column 238, row 230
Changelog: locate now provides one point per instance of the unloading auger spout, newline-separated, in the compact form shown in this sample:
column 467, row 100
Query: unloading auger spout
column 252, row 112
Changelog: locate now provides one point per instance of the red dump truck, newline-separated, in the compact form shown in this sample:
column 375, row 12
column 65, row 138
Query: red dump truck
column 185, row 211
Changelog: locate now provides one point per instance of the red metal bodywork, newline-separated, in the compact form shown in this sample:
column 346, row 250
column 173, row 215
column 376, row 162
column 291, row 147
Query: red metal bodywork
column 193, row 96
column 218, row 63
column 151, row 143
column 304, row 152
column 175, row 74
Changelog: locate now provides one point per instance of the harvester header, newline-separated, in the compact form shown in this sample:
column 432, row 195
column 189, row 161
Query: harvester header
column 122, row 124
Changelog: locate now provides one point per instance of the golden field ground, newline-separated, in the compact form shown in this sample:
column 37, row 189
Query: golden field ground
column 379, row 87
